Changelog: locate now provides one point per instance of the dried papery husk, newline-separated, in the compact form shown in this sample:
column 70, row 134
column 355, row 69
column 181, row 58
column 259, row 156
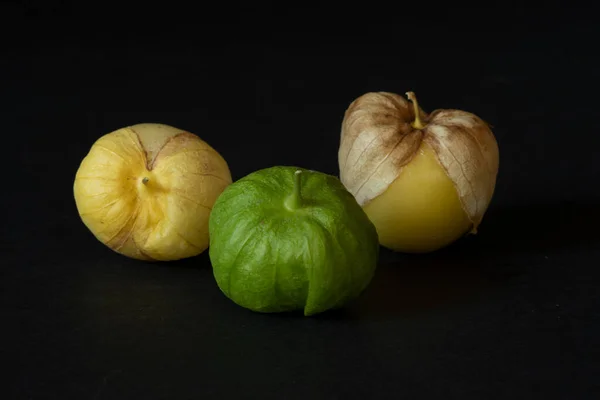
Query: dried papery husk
column 382, row 132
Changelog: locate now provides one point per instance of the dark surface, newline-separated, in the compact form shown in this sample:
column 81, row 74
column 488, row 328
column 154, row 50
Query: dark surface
column 512, row 313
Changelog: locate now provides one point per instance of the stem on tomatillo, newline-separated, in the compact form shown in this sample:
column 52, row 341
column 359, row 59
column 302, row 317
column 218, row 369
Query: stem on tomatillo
column 417, row 123
column 294, row 201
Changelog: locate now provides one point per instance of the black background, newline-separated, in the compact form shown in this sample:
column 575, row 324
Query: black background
column 512, row 313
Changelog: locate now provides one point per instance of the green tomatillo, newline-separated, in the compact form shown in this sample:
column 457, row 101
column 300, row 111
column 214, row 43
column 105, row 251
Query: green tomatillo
column 287, row 239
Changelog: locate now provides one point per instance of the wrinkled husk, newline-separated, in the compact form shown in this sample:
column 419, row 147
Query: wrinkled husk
column 378, row 140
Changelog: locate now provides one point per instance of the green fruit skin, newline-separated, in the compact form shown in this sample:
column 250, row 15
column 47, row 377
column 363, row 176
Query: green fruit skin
column 269, row 258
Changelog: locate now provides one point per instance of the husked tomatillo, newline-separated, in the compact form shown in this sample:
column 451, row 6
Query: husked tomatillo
column 146, row 191
column 424, row 180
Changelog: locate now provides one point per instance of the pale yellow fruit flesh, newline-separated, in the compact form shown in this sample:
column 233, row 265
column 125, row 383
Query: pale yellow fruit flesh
column 420, row 211
column 163, row 218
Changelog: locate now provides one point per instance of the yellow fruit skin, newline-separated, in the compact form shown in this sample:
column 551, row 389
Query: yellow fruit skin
column 420, row 211
column 163, row 217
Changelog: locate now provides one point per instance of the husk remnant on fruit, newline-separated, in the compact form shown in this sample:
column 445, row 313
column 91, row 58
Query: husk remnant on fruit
column 146, row 191
column 378, row 139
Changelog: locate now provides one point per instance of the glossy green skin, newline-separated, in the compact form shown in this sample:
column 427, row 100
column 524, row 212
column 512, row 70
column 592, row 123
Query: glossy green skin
column 269, row 258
